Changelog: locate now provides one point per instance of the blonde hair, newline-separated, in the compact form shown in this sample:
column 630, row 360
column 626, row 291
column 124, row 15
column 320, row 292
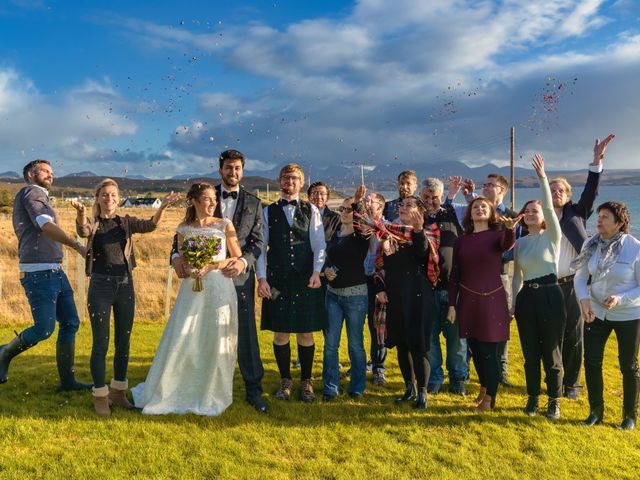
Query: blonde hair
column 564, row 183
column 107, row 182
column 292, row 168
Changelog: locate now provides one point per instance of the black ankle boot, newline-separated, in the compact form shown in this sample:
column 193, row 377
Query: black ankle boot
column 553, row 409
column 421, row 399
column 65, row 355
column 532, row 405
column 7, row 352
column 595, row 417
column 409, row 394
column 628, row 424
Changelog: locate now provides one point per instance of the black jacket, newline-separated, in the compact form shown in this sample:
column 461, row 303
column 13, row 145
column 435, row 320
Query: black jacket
column 574, row 215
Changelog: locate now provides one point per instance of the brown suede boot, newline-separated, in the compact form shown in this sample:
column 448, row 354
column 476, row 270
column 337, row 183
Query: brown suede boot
column 481, row 394
column 101, row 401
column 117, row 394
column 486, row 404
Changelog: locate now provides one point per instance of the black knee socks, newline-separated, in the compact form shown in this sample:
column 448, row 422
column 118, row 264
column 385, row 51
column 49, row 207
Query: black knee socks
column 306, row 360
column 283, row 359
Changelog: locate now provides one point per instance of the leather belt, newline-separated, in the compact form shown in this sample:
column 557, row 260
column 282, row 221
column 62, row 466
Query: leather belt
column 535, row 285
column 567, row 279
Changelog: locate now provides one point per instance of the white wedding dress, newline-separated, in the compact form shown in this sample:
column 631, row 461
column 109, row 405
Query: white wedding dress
column 192, row 370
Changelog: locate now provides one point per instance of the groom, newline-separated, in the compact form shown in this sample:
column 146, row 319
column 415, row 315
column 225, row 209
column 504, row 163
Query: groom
column 245, row 211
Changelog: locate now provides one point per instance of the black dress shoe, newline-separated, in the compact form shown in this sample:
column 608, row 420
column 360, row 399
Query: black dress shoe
column 421, row 399
column 409, row 394
column 553, row 409
column 434, row 388
column 572, row 393
column 259, row 404
column 532, row 405
column 627, row 424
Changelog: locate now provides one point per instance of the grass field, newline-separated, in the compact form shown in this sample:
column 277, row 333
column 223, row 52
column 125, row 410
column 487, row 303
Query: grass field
column 49, row 435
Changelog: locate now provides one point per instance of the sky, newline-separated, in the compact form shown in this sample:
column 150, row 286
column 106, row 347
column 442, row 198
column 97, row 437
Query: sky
column 161, row 88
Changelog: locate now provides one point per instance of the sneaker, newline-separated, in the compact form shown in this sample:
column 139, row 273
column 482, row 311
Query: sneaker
column 532, row 406
column 379, row 380
column 457, row 388
column 553, row 409
column 434, row 388
column 284, row 392
column 306, row 391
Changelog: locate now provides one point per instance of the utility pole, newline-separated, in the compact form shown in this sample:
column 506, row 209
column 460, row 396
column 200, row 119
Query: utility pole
column 513, row 172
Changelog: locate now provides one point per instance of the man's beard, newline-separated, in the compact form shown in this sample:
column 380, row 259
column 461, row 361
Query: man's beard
column 44, row 183
column 231, row 181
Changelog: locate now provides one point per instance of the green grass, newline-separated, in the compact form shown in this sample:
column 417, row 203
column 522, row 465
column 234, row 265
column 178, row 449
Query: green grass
column 49, row 435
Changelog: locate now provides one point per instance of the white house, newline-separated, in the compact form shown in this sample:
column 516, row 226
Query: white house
column 147, row 202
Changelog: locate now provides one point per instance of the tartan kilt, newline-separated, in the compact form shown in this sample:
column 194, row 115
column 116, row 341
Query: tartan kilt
column 298, row 309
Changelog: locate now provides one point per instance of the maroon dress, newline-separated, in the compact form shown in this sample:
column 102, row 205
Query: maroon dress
column 475, row 287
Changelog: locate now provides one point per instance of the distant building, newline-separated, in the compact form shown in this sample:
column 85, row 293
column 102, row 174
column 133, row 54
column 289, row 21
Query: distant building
column 147, row 202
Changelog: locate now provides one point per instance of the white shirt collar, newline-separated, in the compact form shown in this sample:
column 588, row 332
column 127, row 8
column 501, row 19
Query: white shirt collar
column 223, row 189
column 41, row 188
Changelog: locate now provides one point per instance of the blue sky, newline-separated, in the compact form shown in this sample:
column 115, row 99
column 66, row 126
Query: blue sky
column 160, row 88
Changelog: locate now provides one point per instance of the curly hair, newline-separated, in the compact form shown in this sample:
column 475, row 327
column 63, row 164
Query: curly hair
column 619, row 212
column 467, row 222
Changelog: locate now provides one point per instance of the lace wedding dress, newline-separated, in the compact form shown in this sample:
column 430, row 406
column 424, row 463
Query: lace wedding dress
column 192, row 370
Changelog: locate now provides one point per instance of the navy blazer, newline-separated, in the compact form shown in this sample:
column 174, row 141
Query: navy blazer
column 574, row 215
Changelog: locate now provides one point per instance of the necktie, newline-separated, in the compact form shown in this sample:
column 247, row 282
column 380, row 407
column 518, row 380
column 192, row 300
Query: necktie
column 233, row 195
column 284, row 203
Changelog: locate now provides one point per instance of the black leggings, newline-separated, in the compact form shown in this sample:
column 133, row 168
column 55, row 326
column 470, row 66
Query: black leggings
column 413, row 363
column 105, row 292
column 487, row 362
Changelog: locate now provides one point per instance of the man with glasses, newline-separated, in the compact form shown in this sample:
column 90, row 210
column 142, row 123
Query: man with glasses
column 318, row 194
column 288, row 272
column 445, row 218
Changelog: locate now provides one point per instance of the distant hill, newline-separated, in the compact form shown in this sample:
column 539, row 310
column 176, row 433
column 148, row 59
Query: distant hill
column 81, row 174
column 10, row 175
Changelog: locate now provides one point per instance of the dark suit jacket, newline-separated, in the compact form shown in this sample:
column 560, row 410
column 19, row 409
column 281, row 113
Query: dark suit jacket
column 574, row 215
column 247, row 220
column 330, row 222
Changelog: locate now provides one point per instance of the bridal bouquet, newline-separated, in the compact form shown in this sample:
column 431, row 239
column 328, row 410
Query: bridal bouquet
column 198, row 251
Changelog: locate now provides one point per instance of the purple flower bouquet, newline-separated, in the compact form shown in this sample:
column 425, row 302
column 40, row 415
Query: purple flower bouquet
column 198, row 251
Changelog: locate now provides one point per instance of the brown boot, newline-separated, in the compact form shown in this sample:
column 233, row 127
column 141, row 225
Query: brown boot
column 487, row 403
column 117, row 395
column 481, row 394
column 306, row 391
column 101, row 401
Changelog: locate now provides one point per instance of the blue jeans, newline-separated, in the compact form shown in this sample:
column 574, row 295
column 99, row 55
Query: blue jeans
column 351, row 309
column 51, row 298
column 457, row 365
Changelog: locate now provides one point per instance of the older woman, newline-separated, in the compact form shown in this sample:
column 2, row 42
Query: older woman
column 612, row 302
column 538, row 300
column 407, row 286
column 477, row 298
column 109, row 263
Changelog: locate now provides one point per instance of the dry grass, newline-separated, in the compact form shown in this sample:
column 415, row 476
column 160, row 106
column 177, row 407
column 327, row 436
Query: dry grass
column 150, row 277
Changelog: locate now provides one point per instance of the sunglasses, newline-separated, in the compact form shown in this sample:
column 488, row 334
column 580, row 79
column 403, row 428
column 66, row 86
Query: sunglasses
column 342, row 209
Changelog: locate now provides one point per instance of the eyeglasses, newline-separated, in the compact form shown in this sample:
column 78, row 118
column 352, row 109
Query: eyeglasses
column 342, row 209
column 293, row 178
column 491, row 185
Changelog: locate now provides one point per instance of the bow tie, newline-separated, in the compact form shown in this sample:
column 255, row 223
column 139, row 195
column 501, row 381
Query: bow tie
column 283, row 203
column 233, row 195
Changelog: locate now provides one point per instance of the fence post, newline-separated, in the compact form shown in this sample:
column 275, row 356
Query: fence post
column 80, row 288
column 167, row 297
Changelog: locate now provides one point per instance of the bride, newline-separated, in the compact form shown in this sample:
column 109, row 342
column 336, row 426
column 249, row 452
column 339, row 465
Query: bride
column 193, row 368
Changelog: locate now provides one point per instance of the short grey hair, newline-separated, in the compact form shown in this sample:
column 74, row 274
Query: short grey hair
column 433, row 184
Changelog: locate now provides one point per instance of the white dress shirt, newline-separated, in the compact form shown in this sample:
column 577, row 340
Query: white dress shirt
column 316, row 238
column 228, row 205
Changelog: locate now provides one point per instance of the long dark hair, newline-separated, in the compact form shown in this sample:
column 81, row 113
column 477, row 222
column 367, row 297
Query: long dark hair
column 543, row 226
column 493, row 222
column 194, row 193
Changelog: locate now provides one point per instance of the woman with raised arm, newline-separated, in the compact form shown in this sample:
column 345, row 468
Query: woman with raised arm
column 192, row 370
column 611, row 258
column 476, row 294
column 109, row 264
column 538, row 300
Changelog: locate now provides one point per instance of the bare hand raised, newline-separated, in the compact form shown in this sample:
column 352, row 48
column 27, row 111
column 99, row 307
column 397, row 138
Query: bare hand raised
column 169, row 198
column 600, row 147
column 79, row 206
column 511, row 223
column 538, row 165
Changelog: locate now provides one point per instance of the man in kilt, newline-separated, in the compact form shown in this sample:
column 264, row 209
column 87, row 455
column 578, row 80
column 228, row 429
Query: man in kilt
column 289, row 279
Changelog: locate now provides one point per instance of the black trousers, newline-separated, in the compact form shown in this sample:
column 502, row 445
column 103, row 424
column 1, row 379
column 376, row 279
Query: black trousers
column 107, row 292
column 413, row 363
column 486, row 358
column 541, row 319
column 573, row 344
column 596, row 335
column 378, row 353
column 248, row 348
